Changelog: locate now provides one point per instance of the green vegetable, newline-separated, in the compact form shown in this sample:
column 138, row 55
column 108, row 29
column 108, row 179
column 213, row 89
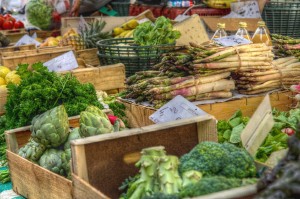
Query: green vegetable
column 224, row 159
column 162, row 196
column 39, row 14
column 230, row 130
column 32, row 151
column 66, row 158
column 4, row 176
column 158, row 174
column 161, row 32
column 52, row 161
column 73, row 135
column 209, row 185
column 92, row 122
column 190, row 177
column 51, row 128
column 117, row 108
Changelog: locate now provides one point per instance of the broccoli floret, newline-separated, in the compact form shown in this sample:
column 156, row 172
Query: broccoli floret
column 161, row 196
column 224, row 159
column 209, row 185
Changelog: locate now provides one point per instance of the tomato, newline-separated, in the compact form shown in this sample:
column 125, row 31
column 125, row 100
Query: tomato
column 18, row 25
column 7, row 25
column 6, row 16
column 1, row 21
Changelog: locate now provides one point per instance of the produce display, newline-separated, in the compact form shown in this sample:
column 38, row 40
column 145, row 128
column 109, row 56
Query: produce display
column 126, row 30
column 283, row 180
column 49, row 144
column 199, row 172
column 161, row 32
column 7, row 76
column 285, row 46
column 8, row 22
column 285, row 125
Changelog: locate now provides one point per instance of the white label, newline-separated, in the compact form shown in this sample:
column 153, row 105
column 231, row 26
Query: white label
column 247, row 9
column 82, row 24
column 25, row 40
column 63, row 62
column 176, row 109
column 232, row 40
column 143, row 20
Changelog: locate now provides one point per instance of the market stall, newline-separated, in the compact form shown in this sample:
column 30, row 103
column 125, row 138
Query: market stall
column 180, row 99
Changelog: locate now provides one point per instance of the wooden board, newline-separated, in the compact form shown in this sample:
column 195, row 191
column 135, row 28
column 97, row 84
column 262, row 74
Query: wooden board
column 89, row 56
column 138, row 115
column 12, row 59
column 29, row 179
column 3, row 97
column 45, row 34
column 16, row 48
column 14, row 35
column 104, row 78
column 34, row 182
column 105, row 161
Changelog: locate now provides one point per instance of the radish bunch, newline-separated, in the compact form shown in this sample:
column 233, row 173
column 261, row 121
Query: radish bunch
column 296, row 89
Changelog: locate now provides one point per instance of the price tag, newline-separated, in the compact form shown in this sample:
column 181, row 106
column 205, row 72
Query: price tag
column 247, row 9
column 63, row 62
column 232, row 40
column 25, row 40
column 176, row 109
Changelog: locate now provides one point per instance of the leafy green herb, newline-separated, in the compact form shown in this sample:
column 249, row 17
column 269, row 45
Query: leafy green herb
column 161, row 32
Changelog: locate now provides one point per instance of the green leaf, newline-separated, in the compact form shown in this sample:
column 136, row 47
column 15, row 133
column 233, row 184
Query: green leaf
column 235, row 122
column 227, row 134
column 238, row 113
column 236, row 133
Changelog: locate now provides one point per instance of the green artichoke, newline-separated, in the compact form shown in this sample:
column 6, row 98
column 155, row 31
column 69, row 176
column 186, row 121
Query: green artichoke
column 52, row 161
column 96, row 110
column 32, row 151
column 93, row 124
column 74, row 134
column 51, row 128
column 66, row 158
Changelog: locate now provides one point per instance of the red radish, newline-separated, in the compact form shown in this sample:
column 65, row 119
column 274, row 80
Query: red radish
column 288, row 131
column 8, row 25
column 112, row 119
column 295, row 88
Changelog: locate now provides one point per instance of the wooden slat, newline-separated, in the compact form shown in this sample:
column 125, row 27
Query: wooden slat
column 107, row 155
column 14, row 35
column 85, row 190
column 35, row 182
column 89, row 56
column 138, row 115
column 3, row 97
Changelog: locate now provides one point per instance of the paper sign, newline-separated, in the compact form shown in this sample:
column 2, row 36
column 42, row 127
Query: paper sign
column 232, row 40
column 176, row 109
column 25, row 40
column 258, row 127
column 64, row 62
column 246, row 9
column 143, row 20
column 82, row 23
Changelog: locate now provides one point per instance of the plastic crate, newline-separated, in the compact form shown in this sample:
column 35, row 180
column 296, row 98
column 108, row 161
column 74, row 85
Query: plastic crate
column 135, row 58
column 121, row 6
column 283, row 17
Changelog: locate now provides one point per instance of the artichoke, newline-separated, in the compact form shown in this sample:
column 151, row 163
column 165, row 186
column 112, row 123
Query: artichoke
column 93, row 124
column 96, row 110
column 51, row 128
column 32, row 151
column 74, row 134
column 52, row 161
column 66, row 158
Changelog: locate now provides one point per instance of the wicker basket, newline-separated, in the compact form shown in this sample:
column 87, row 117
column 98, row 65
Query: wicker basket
column 283, row 17
column 135, row 58
column 121, row 6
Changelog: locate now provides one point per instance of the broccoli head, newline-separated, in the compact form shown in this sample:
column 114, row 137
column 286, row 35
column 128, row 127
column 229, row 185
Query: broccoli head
column 209, row 185
column 223, row 159
column 161, row 196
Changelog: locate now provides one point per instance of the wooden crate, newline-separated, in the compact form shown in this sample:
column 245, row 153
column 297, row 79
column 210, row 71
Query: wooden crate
column 29, row 179
column 45, row 34
column 105, row 78
column 16, row 48
column 89, row 56
column 138, row 115
column 12, row 59
column 14, row 35
column 3, row 97
column 101, row 163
